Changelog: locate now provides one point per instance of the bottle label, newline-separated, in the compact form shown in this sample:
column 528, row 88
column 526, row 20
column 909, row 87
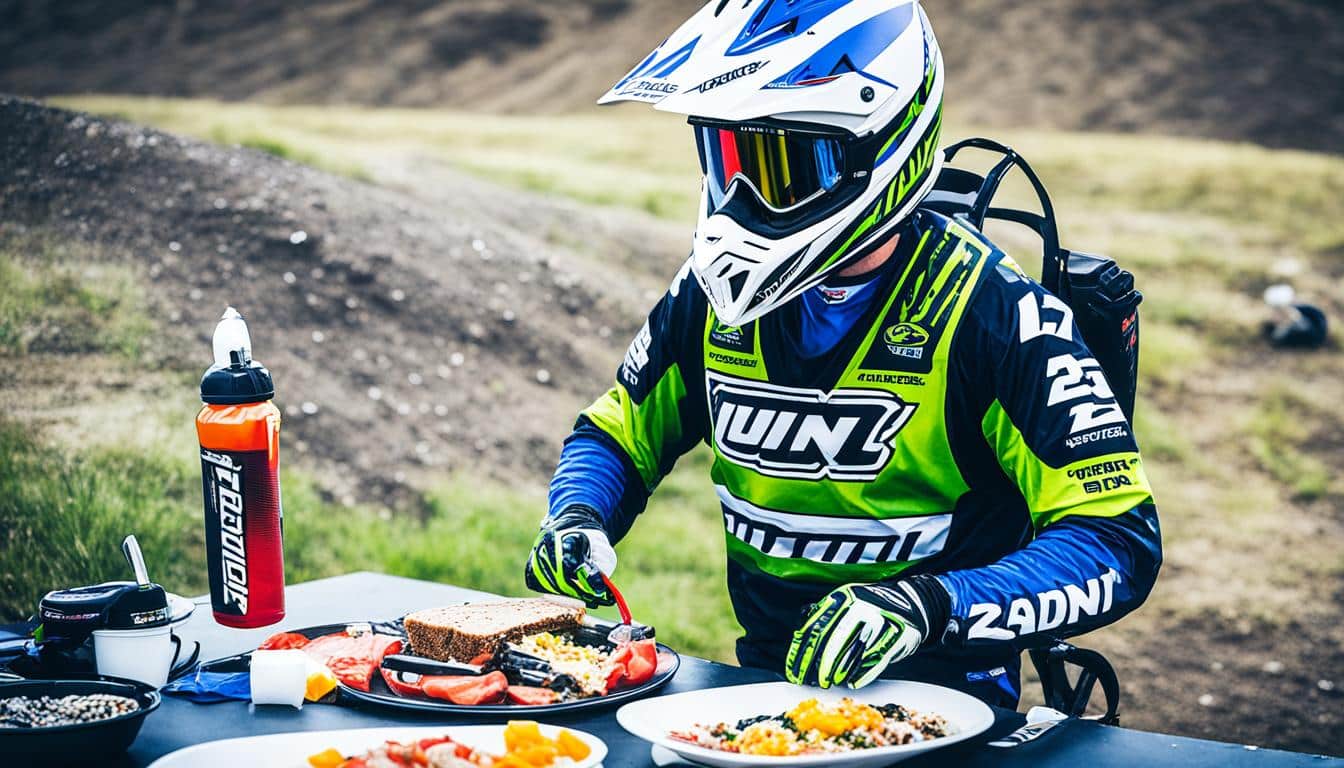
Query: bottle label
column 223, row 477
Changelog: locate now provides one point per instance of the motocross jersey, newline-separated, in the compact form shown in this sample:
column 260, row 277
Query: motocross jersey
column 960, row 428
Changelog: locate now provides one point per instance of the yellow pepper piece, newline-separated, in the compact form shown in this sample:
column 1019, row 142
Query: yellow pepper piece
column 319, row 685
column 521, row 733
column 329, row 758
column 572, row 746
column 538, row 755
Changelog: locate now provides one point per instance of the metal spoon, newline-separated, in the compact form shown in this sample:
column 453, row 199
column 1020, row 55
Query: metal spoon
column 131, row 548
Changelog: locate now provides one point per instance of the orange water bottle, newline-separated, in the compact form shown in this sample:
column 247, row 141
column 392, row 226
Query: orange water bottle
column 239, row 430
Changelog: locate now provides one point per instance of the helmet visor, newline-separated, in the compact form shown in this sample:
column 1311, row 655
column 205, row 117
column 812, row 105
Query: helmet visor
column 785, row 169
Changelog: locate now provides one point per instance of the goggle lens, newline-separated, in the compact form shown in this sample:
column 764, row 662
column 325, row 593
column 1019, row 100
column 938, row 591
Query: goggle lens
column 783, row 169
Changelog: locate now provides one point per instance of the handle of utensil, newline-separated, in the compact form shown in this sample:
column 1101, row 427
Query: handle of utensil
column 620, row 600
column 131, row 548
column 423, row 666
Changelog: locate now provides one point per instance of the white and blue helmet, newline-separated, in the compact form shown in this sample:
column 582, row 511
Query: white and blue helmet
column 817, row 123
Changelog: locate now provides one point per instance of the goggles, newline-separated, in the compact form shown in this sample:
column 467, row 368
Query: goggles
column 785, row 169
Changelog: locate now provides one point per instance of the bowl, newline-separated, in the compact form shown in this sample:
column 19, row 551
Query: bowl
column 84, row 742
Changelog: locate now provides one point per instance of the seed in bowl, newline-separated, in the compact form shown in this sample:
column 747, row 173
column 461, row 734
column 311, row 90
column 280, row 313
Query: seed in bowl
column 50, row 711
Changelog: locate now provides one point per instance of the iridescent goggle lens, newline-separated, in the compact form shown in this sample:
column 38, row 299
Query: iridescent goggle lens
column 784, row 168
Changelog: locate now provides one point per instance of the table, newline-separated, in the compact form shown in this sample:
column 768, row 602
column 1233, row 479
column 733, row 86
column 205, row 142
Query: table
column 369, row 596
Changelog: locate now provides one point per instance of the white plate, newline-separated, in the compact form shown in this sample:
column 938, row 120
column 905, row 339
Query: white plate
column 291, row 750
column 651, row 719
column 179, row 609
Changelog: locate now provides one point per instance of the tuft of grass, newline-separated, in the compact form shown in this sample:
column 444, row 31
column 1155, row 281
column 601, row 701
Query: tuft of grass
column 55, row 301
column 1280, row 428
column 63, row 517
column 63, row 514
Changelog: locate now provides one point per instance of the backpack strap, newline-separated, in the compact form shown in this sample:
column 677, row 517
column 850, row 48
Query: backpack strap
column 965, row 194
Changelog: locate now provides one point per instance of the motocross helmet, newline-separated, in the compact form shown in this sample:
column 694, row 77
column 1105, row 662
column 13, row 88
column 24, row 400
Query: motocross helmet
column 817, row 124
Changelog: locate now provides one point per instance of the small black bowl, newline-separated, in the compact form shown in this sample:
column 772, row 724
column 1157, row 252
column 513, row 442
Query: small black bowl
column 73, row 744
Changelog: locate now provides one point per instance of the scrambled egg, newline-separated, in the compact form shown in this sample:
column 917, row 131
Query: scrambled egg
column 584, row 663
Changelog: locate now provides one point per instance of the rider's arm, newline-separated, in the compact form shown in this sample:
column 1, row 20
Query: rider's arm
column 630, row 438
column 1056, row 431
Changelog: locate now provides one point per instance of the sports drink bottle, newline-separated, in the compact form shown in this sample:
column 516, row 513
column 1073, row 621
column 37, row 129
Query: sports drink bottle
column 239, row 430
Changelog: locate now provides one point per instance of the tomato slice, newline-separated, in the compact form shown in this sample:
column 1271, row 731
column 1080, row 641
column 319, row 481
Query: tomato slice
column 642, row 664
column 467, row 690
column 283, row 641
column 352, row 671
column 529, row 696
column 399, row 687
column 615, row 674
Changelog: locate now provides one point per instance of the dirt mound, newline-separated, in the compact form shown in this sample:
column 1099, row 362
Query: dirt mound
column 1259, row 70
column 406, row 339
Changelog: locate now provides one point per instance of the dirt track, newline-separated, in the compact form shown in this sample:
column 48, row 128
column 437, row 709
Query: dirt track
column 408, row 336
column 1259, row 70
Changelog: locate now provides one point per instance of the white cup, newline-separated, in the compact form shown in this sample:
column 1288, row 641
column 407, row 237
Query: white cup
column 146, row 655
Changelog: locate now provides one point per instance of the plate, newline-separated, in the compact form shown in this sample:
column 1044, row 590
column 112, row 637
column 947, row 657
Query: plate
column 651, row 719
column 291, row 750
column 179, row 609
column 380, row 695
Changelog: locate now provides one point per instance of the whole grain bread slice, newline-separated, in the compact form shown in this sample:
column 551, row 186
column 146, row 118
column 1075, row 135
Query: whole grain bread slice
column 463, row 632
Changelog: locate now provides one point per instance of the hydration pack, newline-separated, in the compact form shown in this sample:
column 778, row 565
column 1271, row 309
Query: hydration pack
column 1101, row 294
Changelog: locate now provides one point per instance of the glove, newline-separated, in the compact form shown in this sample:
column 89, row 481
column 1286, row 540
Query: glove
column 570, row 555
column 853, row 634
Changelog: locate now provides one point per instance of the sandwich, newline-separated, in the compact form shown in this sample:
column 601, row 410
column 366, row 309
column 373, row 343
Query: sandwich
column 466, row 632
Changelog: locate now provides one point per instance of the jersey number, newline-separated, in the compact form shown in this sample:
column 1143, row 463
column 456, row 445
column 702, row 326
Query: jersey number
column 1073, row 379
column 1031, row 325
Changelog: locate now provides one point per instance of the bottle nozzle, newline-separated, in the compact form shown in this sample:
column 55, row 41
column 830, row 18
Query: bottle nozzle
column 232, row 344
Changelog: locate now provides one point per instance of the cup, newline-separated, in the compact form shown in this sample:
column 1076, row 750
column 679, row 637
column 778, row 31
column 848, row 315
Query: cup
column 147, row 655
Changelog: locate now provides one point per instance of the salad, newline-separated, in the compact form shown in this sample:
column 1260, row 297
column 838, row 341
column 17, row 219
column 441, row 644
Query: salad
column 524, row 747
column 813, row 728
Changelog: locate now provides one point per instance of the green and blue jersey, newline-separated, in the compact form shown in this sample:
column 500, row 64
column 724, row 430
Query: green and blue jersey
column 946, row 418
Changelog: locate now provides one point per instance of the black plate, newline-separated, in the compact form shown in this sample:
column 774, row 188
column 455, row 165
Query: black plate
column 380, row 695
column 86, row 742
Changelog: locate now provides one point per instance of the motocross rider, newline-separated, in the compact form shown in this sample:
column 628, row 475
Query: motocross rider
column 922, row 469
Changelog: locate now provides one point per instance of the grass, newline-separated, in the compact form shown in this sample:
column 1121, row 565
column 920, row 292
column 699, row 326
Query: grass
column 56, row 300
column 648, row 165
column 64, row 513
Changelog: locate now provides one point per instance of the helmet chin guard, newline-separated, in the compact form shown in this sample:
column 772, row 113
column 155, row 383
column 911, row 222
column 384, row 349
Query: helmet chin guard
column 817, row 123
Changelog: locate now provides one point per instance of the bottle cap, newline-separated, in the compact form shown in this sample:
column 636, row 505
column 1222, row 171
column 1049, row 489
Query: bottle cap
column 235, row 378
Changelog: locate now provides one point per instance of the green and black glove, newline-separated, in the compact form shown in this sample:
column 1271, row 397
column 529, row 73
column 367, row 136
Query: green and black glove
column 570, row 555
column 853, row 634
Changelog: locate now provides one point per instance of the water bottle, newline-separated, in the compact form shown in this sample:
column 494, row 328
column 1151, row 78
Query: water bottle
column 239, row 430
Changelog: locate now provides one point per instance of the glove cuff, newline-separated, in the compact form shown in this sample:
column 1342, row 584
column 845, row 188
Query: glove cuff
column 575, row 517
column 586, row 520
column 937, row 604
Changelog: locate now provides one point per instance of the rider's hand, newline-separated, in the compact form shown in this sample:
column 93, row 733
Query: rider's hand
column 853, row 634
column 569, row 557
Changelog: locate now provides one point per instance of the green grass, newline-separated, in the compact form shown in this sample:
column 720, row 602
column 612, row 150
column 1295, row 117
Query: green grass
column 1280, row 439
column 55, row 299
column 65, row 512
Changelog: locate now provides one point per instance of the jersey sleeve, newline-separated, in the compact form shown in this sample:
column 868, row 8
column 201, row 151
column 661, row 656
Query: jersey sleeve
column 1053, row 422
column 655, row 411
column 1058, row 433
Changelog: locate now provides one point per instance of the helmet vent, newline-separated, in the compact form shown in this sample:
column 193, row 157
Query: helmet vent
column 724, row 4
column 737, row 283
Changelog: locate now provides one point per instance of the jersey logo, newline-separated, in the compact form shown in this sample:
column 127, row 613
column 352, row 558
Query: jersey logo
column 845, row 434
column 734, row 337
column 1051, row 609
column 906, row 340
column 834, row 540
column 637, row 356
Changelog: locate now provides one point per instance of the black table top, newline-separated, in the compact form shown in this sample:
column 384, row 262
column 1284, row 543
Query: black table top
column 368, row 596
